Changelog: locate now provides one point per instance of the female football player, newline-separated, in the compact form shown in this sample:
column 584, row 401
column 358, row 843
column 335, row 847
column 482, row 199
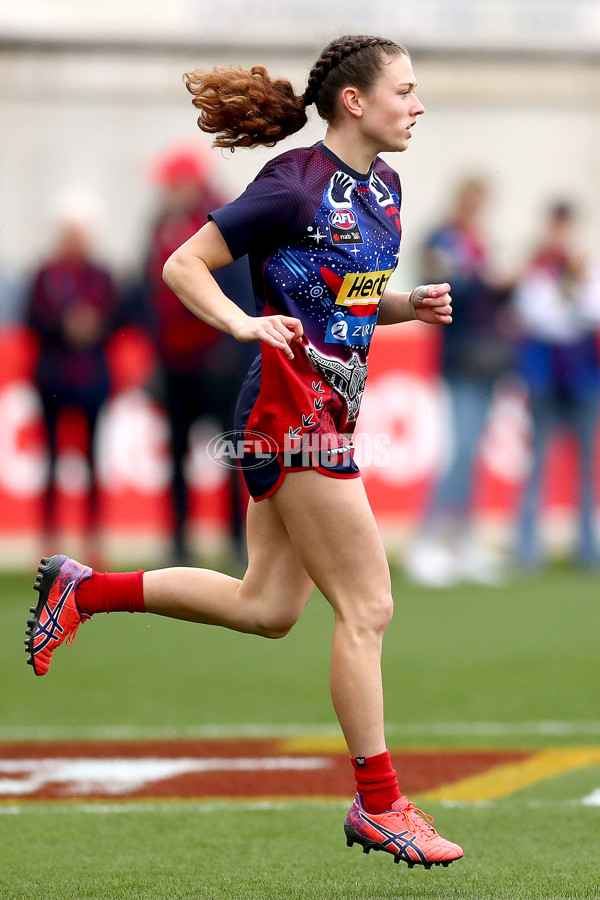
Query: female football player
column 321, row 227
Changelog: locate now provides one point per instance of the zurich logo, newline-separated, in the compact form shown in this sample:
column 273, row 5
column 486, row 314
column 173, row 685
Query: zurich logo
column 339, row 330
column 344, row 219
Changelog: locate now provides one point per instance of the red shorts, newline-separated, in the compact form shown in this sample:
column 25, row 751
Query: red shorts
column 269, row 450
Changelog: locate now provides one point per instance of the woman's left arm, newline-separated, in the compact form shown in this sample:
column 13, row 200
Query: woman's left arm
column 430, row 303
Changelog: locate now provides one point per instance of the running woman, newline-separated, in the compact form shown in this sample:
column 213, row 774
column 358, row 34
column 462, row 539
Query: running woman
column 321, row 226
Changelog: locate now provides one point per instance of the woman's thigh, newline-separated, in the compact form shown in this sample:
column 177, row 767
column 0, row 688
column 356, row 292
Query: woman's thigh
column 333, row 530
column 276, row 578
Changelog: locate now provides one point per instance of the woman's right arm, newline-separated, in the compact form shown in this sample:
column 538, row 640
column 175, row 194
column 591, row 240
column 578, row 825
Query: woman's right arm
column 188, row 273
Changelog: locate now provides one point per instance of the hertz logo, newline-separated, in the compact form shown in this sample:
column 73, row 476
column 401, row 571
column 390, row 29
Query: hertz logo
column 362, row 287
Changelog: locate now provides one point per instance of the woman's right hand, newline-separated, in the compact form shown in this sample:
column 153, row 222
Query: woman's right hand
column 277, row 331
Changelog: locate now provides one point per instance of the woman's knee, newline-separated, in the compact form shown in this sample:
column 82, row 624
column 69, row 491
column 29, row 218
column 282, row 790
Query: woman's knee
column 273, row 615
column 368, row 616
column 382, row 612
column 276, row 626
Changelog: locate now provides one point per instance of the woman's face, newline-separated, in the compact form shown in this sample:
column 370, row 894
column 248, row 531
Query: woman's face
column 390, row 110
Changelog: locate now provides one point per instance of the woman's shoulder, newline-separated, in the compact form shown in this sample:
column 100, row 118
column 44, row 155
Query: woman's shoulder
column 386, row 173
column 297, row 166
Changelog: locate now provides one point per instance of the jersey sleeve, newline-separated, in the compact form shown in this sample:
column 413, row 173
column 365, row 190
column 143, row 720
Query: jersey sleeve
column 269, row 213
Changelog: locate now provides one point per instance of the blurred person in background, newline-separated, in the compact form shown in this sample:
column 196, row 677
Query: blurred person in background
column 11, row 298
column 474, row 354
column 200, row 369
column 557, row 307
column 71, row 307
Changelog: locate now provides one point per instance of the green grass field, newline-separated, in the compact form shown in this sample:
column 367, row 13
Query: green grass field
column 513, row 667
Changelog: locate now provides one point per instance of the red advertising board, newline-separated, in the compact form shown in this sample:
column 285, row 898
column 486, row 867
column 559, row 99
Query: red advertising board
column 403, row 443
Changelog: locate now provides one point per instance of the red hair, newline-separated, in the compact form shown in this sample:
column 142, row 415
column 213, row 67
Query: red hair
column 246, row 108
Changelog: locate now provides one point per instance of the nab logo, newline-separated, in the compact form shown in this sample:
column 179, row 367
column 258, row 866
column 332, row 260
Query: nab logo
column 345, row 219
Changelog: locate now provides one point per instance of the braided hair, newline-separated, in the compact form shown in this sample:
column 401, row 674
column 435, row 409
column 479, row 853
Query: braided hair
column 247, row 108
column 352, row 59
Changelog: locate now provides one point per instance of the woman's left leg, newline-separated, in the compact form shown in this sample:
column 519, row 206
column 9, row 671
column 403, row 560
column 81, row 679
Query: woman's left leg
column 333, row 530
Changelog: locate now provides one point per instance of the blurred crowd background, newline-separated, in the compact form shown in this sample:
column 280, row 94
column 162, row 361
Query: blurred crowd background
column 110, row 391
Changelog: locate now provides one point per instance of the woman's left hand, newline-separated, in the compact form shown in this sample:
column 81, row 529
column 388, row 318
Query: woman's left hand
column 432, row 303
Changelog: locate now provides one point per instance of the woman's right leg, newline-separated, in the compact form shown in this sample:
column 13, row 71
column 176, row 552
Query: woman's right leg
column 267, row 601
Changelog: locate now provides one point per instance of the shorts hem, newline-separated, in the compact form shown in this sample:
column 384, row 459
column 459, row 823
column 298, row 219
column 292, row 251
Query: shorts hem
column 273, row 489
column 323, row 471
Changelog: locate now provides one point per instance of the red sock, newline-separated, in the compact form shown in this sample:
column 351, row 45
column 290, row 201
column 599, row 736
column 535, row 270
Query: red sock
column 376, row 781
column 112, row 592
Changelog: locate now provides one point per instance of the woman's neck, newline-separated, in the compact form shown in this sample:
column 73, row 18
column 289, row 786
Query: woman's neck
column 351, row 151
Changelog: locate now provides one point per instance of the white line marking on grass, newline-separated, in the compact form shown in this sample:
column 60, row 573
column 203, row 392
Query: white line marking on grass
column 52, row 807
column 24, row 777
column 205, row 807
column 496, row 729
column 592, row 799
column 185, row 807
column 548, row 728
column 167, row 732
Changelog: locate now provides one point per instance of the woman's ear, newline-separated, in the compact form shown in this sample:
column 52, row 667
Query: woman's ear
column 351, row 99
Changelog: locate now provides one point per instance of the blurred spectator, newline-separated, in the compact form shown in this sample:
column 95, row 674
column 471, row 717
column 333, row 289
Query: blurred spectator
column 557, row 304
column 201, row 369
column 474, row 354
column 71, row 308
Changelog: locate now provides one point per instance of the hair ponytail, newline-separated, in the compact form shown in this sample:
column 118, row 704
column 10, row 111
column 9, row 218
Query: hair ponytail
column 245, row 108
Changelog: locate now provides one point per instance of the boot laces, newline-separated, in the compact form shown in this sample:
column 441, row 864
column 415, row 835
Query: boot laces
column 71, row 635
column 418, row 820
column 83, row 617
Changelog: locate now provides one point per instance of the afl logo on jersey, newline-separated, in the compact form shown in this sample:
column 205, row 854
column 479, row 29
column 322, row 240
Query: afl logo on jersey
column 344, row 227
column 343, row 218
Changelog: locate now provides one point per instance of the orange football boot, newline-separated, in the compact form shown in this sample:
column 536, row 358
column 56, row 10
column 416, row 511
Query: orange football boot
column 56, row 618
column 404, row 831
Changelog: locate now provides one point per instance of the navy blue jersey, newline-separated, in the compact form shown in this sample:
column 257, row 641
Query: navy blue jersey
column 322, row 241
